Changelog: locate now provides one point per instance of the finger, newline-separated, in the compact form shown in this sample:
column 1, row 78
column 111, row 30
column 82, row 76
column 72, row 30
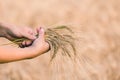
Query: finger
column 28, row 43
column 32, row 32
column 21, row 46
column 41, row 34
column 29, row 33
column 29, row 36
column 23, row 43
column 37, row 30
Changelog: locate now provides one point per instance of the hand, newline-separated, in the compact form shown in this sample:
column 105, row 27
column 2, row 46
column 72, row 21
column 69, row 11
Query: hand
column 12, row 32
column 40, row 45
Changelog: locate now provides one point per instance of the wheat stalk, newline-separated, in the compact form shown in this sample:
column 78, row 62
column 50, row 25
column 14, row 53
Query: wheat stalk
column 57, row 40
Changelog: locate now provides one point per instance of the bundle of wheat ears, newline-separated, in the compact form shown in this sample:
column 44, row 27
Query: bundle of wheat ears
column 58, row 39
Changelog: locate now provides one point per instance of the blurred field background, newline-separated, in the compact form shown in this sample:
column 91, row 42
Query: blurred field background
column 96, row 24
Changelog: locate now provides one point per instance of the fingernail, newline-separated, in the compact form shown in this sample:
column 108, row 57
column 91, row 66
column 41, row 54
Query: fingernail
column 42, row 29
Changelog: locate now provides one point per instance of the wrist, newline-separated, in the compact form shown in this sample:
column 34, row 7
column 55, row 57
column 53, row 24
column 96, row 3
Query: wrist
column 4, row 28
column 2, row 31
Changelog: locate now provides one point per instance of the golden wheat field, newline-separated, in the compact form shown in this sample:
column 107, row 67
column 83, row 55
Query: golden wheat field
column 96, row 24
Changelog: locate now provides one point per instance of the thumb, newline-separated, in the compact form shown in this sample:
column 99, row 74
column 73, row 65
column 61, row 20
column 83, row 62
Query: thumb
column 41, row 34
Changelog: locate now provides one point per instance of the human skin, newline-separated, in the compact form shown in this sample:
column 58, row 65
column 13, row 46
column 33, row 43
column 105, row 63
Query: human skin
column 10, row 54
column 12, row 32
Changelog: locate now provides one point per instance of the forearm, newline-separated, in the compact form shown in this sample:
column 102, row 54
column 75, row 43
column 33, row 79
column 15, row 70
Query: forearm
column 9, row 54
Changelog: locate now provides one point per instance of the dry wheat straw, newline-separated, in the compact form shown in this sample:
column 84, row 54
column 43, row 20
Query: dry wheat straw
column 59, row 38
